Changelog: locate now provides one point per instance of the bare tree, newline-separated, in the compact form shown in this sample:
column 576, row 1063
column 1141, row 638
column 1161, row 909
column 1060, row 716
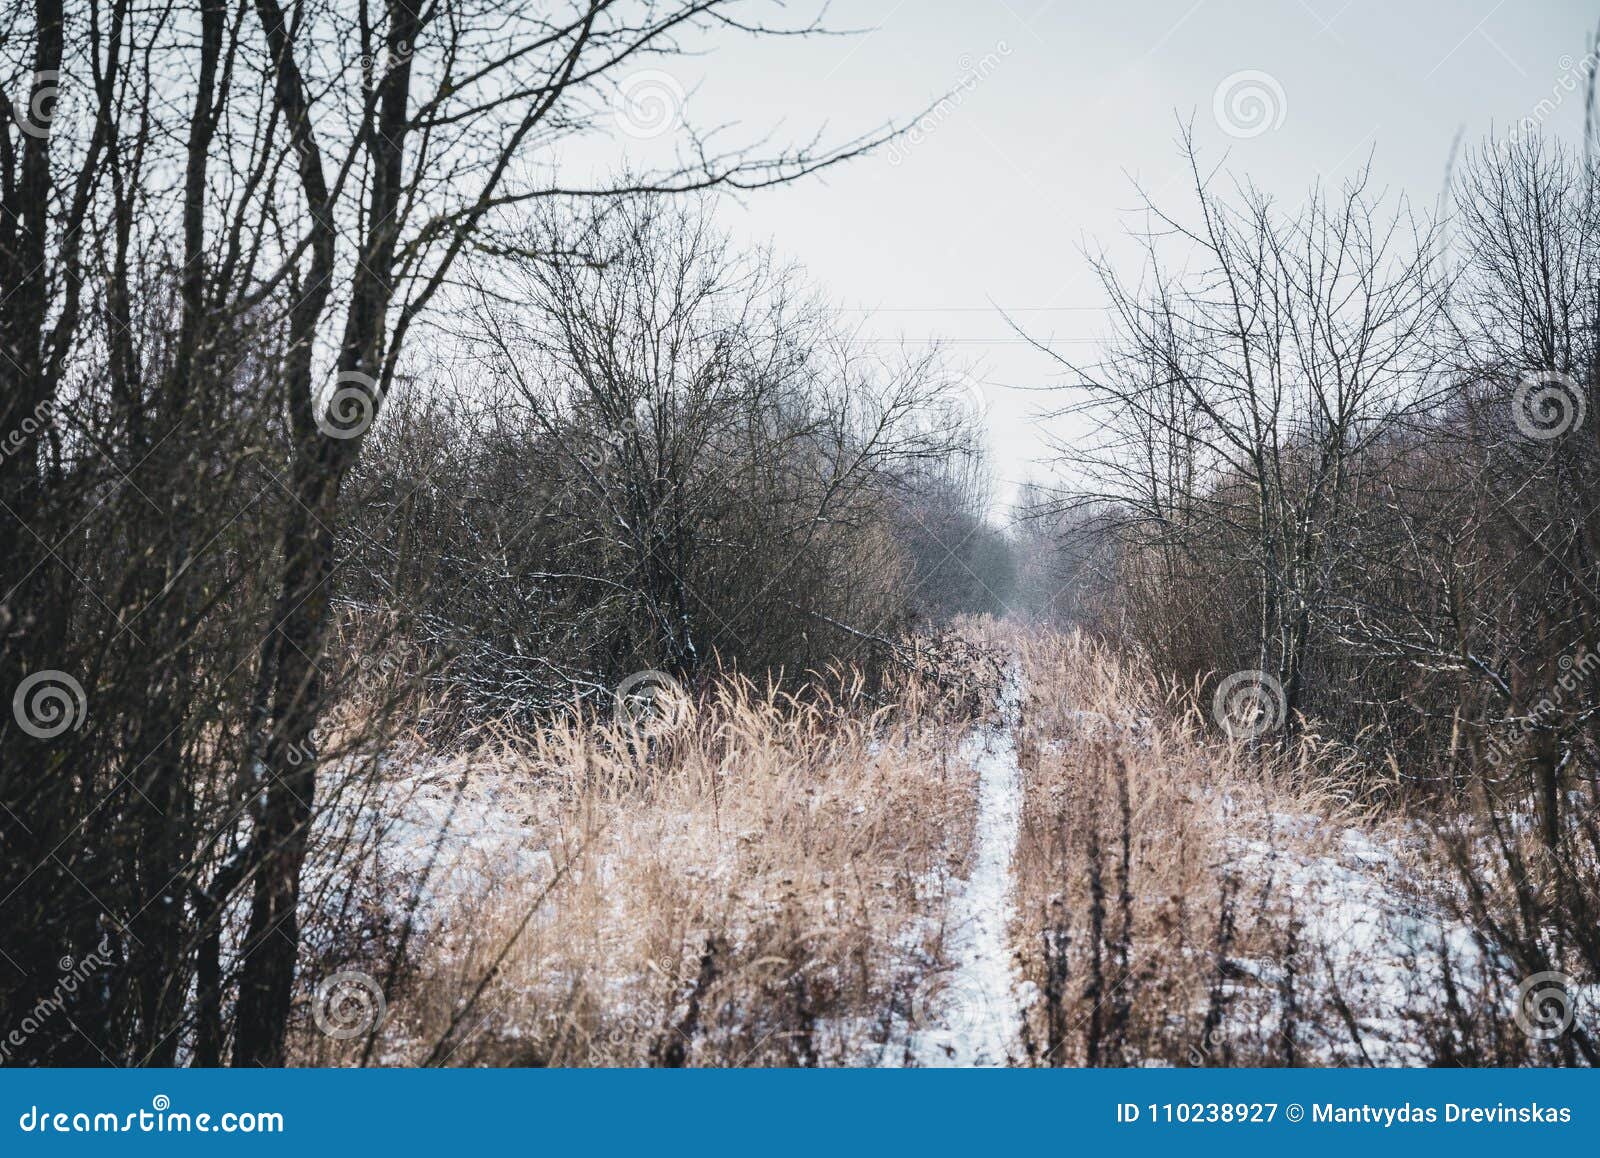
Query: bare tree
column 1258, row 359
column 716, row 462
column 220, row 224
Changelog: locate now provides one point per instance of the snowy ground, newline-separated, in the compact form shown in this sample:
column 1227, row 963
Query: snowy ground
column 974, row 1017
column 449, row 832
column 444, row 831
column 1382, row 939
column 1373, row 939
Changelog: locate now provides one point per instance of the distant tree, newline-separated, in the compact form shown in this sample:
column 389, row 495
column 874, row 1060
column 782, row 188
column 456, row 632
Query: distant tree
column 1249, row 373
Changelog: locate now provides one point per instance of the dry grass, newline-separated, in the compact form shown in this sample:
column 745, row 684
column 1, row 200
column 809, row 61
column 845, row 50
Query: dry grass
column 1188, row 899
column 766, row 883
column 761, row 884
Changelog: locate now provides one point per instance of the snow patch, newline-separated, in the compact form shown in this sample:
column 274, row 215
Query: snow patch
column 973, row 1017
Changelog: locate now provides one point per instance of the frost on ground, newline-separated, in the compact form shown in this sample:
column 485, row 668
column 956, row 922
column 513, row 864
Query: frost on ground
column 436, row 834
column 1383, row 944
column 1077, row 881
column 973, row 1018
column 1377, row 941
column 759, row 885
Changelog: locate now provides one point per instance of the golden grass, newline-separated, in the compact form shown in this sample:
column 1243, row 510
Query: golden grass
column 761, row 884
column 766, row 881
column 1157, row 924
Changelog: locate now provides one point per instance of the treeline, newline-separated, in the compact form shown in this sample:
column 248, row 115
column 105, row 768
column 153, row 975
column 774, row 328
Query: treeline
column 237, row 480
column 1353, row 457
column 660, row 453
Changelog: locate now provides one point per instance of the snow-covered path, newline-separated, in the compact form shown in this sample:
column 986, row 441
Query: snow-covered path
column 975, row 1018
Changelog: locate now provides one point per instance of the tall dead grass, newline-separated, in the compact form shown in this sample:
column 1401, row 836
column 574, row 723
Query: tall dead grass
column 1190, row 899
column 761, row 883
column 766, row 881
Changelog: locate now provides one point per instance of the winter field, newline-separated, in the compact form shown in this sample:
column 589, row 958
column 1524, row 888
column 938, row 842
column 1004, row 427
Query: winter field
column 744, row 533
column 1023, row 855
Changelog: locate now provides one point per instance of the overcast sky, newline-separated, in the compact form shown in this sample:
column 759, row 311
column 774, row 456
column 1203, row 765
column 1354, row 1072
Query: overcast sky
column 1062, row 106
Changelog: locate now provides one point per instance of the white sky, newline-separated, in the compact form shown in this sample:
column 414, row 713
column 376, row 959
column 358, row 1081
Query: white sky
column 1037, row 159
